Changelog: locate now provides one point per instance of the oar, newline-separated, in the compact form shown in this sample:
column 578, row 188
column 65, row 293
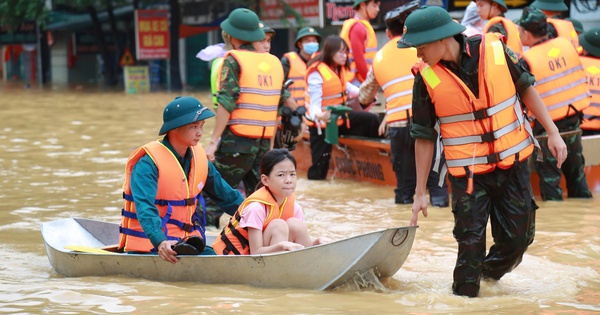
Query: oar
column 87, row 249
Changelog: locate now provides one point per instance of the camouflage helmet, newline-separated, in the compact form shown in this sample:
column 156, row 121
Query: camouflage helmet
column 243, row 25
column 358, row 2
column 534, row 21
column 550, row 5
column 502, row 5
column 590, row 41
column 182, row 111
column 266, row 28
column 427, row 25
column 308, row 31
column 577, row 25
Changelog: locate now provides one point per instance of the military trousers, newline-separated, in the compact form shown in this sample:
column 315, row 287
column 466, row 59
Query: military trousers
column 506, row 199
column 572, row 168
column 402, row 146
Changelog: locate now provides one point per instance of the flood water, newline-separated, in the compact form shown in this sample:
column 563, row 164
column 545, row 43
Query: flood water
column 62, row 154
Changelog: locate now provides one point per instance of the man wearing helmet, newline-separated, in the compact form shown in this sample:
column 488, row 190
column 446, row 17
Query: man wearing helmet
column 471, row 87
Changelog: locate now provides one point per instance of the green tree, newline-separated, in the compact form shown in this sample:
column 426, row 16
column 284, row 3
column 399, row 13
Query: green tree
column 14, row 12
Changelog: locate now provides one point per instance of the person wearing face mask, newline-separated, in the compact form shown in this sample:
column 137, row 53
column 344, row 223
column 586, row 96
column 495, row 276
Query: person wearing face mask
column 294, row 62
column 360, row 37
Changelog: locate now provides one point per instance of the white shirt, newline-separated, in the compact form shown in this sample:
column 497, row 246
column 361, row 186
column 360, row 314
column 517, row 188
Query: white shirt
column 315, row 93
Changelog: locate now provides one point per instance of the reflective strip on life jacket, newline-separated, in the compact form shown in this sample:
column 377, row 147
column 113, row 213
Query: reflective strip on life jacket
column 297, row 73
column 396, row 79
column 370, row 46
column 482, row 113
column 479, row 134
column 334, row 90
column 591, row 114
column 560, row 77
column 260, row 82
column 175, row 198
column 493, row 158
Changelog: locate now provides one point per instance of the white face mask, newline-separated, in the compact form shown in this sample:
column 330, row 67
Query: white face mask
column 310, row 48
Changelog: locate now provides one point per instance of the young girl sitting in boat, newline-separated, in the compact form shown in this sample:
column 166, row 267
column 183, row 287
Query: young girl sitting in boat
column 269, row 220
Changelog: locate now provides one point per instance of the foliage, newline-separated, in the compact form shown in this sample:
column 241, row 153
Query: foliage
column 15, row 12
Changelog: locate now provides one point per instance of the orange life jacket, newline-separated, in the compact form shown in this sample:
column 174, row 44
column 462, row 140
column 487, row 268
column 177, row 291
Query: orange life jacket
column 233, row 240
column 513, row 40
column 479, row 134
column 591, row 114
column 560, row 79
column 334, row 90
column 261, row 81
column 297, row 72
column 370, row 46
column 392, row 70
column 176, row 196
column 565, row 30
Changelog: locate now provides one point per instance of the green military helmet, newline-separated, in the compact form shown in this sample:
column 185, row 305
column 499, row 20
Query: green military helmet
column 534, row 21
column 502, row 5
column 550, row 5
column 182, row 111
column 266, row 28
column 427, row 25
column 357, row 3
column 576, row 24
column 308, row 31
column 590, row 41
column 243, row 25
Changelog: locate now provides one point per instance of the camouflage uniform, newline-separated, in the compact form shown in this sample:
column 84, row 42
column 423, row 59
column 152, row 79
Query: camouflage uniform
column 572, row 168
column 237, row 158
column 504, row 197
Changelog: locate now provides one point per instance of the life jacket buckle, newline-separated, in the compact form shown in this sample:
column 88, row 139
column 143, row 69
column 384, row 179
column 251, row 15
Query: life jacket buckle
column 488, row 137
column 493, row 158
column 190, row 201
column 480, row 114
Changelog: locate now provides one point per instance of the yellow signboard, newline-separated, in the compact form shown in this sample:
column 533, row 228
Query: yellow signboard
column 137, row 79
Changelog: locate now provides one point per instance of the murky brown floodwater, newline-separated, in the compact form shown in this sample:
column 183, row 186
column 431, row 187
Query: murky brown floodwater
column 62, row 154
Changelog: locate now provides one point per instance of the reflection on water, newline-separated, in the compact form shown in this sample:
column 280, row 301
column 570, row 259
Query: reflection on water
column 62, row 154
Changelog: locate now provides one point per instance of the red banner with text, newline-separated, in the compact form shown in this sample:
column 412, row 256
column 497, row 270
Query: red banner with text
column 152, row 34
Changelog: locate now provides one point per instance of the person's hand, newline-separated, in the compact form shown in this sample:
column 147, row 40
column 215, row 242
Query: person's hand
column 420, row 204
column 210, row 151
column 382, row 127
column 166, row 252
column 290, row 246
column 324, row 116
column 558, row 148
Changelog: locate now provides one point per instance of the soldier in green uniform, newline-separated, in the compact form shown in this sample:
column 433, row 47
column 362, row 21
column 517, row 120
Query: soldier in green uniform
column 488, row 186
column 574, row 95
column 236, row 156
column 552, row 9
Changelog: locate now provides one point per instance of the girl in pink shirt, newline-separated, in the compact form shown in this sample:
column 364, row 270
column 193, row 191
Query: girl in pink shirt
column 278, row 177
